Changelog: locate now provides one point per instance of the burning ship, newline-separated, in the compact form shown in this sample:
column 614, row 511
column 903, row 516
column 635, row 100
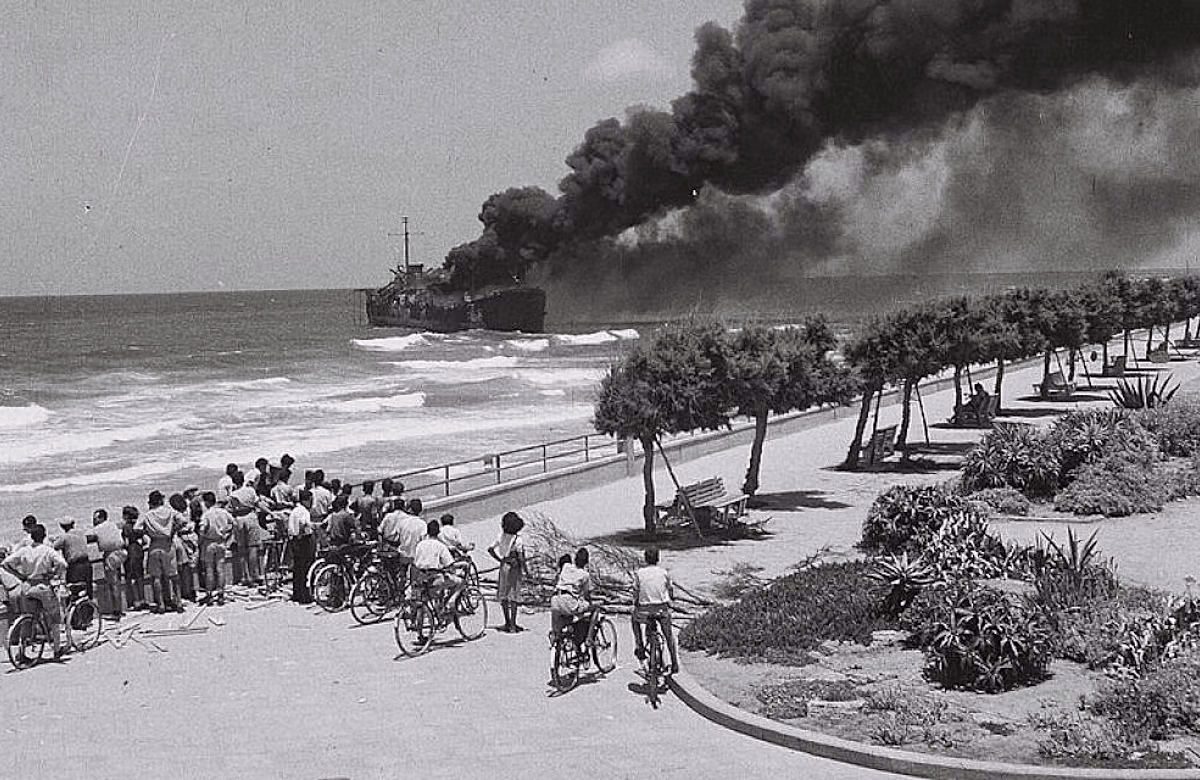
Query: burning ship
column 417, row 298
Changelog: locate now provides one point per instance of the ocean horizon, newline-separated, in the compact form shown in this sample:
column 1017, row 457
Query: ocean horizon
column 106, row 397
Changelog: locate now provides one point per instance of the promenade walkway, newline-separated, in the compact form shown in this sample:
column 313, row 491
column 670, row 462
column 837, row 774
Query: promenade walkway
column 290, row 692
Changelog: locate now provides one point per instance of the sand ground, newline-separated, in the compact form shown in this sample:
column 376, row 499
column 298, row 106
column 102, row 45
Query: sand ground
column 290, row 692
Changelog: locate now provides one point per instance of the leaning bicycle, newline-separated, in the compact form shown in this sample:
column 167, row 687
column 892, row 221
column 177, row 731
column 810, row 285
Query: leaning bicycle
column 334, row 579
column 426, row 613
column 569, row 657
column 381, row 588
column 30, row 631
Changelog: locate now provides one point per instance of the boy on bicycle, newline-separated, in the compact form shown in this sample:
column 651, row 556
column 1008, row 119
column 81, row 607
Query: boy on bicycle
column 652, row 595
column 35, row 566
column 432, row 561
column 572, row 597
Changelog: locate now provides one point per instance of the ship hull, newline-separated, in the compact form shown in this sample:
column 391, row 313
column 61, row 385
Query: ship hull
column 502, row 309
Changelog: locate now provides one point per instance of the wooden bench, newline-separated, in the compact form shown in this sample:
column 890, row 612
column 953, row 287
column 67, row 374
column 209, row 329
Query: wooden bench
column 1057, row 386
column 709, row 503
column 880, row 446
column 968, row 415
column 1159, row 355
column 1114, row 369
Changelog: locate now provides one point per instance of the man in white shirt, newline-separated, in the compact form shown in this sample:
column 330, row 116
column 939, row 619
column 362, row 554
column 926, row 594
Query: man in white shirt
column 572, row 596
column 215, row 530
column 300, row 532
column 452, row 537
column 35, row 566
column 225, row 484
column 652, row 594
column 111, row 542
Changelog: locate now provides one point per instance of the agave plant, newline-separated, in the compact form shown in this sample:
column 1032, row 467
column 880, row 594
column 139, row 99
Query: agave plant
column 906, row 576
column 1145, row 393
column 1075, row 556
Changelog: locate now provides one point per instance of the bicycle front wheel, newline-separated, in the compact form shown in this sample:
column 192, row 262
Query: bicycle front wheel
column 415, row 626
column 84, row 625
column 604, row 645
column 564, row 668
column 329, row 588
column 370, row 597
column 470, row 613
column 25, row 642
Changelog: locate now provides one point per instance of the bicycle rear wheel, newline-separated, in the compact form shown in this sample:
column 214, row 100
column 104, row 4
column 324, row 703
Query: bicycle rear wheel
column 329, row 588
column 370, row 597
column 415, row 626
column 564, row 666
column 84, row 625
column 654, row 667
column 604, row 645
column 470, row 613
column 25, row 642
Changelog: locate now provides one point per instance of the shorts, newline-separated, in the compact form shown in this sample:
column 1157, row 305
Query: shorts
column 212, row 554
column 246, row 532
column 46, row 597
column 135, row 563
column 564, row 608
column 660, row 613
column 160, row 563
column 114, row 561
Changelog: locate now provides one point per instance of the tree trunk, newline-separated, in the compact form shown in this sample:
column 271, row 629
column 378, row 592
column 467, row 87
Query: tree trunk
column 999, row 386
column 649, row 515
column 864, row 413
column 1149, row 341
column 750, row 487
column 1046, row 375
column 905, row 417
column 1104, row 352
column 1127, row 345
column 1071, row 365
column 958, row 393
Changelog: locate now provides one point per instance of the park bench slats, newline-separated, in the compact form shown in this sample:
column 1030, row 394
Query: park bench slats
column 707, row 497
column 880, row 446
column 967, row 415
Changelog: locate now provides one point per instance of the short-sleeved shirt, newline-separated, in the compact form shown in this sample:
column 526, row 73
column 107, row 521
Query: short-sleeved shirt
column 341, row 527
column 216, row 525
column 412, row 531
column 36, row 563
column 653, row 585
column 160, row 524
column 432, row 554
column 299, row 521
column 573, row 581
column 452, row 537
column 73, row 546
column 108, row 537
column 224, row 489
column 322, row 502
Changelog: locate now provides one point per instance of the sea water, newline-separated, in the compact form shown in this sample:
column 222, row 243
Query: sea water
column 105, row 398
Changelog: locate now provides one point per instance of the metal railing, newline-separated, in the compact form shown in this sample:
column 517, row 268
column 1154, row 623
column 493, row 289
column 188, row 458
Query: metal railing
column 462, row 476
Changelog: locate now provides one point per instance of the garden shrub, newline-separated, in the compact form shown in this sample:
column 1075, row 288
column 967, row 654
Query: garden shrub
column 1085, row 436
column 1005, row 500
column 789, row 699
column 1175, row 427
column 1016, row 456
column 904, row 517
column 983, row 640
column 794, row 614
column 1161, row 704
column 1117, row 485
column 963, row 547
column 1079, row 739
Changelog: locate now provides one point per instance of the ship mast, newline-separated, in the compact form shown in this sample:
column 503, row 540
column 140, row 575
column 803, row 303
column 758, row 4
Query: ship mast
column 404, row 222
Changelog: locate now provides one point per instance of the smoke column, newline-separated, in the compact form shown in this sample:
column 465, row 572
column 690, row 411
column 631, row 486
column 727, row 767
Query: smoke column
column 872, row 135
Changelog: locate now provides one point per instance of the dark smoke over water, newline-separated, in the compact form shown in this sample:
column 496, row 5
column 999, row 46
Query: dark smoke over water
column 873, row 136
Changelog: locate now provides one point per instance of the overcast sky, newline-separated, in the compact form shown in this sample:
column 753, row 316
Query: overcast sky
column 160, row 146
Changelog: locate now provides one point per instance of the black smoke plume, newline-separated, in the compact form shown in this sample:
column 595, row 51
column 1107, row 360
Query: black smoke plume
column 800, row 82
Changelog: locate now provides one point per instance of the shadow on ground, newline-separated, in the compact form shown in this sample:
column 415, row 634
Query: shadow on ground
column 686, row 537
column 795, row 499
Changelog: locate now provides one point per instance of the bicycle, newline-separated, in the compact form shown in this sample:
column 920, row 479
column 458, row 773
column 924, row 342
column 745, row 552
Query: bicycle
column 334, row 578
column 380, row 589
column 653, row 668
column 29, row 632
column 569, row 656
column 273, row 568
column 423, row 614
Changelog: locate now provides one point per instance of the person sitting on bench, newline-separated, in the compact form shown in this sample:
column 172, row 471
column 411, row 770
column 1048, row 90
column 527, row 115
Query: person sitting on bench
column 978, row 403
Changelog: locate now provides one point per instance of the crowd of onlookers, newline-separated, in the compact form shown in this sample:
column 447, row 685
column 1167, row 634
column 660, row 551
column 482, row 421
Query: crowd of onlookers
column 184, row 547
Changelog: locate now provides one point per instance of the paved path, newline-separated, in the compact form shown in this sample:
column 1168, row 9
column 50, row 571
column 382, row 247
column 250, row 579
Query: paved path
column 292, row 692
